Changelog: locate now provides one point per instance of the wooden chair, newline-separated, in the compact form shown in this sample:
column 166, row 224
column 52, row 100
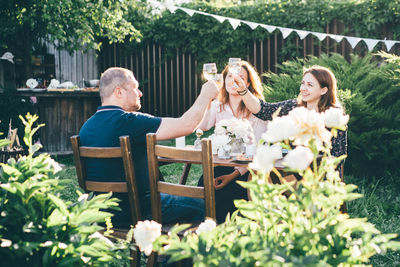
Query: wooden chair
column 123, row 152
column 156, row 186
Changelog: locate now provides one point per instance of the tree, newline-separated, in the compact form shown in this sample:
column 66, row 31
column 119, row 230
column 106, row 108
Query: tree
column 71, row 25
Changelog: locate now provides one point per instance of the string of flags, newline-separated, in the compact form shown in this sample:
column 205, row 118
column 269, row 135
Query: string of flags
column 353, row 41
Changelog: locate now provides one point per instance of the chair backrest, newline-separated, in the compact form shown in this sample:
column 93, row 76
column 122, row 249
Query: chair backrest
column 123, row 152
column 156, row 186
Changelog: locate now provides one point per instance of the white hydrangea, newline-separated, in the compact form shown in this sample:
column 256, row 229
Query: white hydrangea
column 145, row 233
column 206, row 226
column 265, row 157
column 299, row 158
column 220, row 141
column 334, row 118
column 235, row 128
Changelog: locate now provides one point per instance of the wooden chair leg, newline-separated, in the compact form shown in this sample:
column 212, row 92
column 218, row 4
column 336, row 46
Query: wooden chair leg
column 152, row 260
column 185, row 173
column 135, row 255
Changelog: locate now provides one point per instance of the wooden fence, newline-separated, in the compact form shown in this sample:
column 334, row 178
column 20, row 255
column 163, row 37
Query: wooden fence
column 171, row 85
column 74, row 66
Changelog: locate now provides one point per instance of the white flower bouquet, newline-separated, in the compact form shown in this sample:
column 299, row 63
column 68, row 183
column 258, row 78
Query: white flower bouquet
column 236, row 129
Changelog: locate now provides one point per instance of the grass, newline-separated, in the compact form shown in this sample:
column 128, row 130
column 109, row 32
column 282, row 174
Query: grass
column 380, row 204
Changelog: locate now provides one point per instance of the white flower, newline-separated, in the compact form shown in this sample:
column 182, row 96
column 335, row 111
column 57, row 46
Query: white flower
column 356, row 251
column 31, row 83
column 62, row 245
column 53, row 84
column 47, row 244
column 312, row 126
column 51, row 163
column 5, row 243
column 145, row 233
column 334, row 118
column 206, row 226
column 265, row 158
column 235, row 128
column 83, row 197
column 299, row 158
column 221, row 141
column 101, row 237
column 281, row 128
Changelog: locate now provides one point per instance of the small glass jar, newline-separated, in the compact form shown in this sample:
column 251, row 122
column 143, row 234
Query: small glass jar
column 224, row 153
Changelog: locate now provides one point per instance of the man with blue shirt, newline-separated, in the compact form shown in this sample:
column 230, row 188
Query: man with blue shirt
column 118, row 116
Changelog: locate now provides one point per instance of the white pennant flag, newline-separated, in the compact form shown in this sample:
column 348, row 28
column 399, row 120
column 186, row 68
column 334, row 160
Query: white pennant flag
column 234, row 23
column 190, row 12
column 337, row 38
column 302, row 34
column 285, row 31
column 252, row 25
column 171, row 8
column 353, row 41
column 371, row 43
column 219, row 18
column 269, row 28
column 389, row 44
column 320, row 36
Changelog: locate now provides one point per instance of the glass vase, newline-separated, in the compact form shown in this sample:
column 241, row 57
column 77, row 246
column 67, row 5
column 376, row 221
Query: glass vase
column 224, row 153
column 238, row 147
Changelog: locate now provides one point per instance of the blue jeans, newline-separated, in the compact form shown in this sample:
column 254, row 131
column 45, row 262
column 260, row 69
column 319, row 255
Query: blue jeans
column 181, row 209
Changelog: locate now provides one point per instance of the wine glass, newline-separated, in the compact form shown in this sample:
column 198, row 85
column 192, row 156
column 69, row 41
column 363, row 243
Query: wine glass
column 234, row 65
column 219, row 80
column 209, row 71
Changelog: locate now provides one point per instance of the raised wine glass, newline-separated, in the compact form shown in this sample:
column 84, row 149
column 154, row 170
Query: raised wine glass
column 209, row 71
column 219, row 80
column 234, row 65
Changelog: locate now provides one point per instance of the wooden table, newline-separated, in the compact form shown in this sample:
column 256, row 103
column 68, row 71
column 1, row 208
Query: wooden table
column 217, row 162
column 220, row 162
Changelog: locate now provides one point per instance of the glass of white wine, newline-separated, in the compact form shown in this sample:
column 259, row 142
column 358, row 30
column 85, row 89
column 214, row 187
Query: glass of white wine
column 234, row 65
column 219, row 80
column 209, row 71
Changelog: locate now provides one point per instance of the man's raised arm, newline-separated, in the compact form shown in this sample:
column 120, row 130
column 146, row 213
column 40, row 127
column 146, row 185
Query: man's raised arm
column 188, row 122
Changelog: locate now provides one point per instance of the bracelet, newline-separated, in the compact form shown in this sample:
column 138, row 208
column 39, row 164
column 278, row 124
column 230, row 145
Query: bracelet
column 242, row 93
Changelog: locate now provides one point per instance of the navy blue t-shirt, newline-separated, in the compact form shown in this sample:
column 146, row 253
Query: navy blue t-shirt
column 103, row 129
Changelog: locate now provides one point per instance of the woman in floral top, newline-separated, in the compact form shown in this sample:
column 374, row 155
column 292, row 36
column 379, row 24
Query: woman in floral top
column 230, row 105
column 317, row 91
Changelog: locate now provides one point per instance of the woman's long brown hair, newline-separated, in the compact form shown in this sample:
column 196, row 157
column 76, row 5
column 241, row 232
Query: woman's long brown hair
column 255, row 87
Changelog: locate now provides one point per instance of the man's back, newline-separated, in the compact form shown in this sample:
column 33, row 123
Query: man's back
column 103, row 129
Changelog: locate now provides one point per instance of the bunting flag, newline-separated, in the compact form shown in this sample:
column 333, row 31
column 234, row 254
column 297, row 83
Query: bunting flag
column 353, row 41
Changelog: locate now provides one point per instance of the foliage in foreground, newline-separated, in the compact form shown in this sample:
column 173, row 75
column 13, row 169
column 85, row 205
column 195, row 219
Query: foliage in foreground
column 39, row 228
column 305, row 228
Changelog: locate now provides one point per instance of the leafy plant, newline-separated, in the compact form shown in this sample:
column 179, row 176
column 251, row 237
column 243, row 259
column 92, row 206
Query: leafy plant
column 287, row 224
column 39, row 228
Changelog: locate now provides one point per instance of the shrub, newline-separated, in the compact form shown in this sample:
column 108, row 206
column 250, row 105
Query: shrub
column 40, row 229
column 370, row 93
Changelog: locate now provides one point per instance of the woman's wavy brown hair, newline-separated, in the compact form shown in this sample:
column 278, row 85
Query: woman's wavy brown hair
column 255, row 87
column 327, row 79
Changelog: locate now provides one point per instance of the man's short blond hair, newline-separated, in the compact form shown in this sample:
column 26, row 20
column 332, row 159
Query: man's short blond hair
column 112, row 78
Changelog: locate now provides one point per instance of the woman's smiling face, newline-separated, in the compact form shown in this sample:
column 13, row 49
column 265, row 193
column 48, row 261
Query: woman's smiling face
column 310, row 89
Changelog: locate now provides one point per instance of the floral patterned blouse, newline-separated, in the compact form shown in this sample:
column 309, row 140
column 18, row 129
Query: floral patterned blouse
column 339, row 143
